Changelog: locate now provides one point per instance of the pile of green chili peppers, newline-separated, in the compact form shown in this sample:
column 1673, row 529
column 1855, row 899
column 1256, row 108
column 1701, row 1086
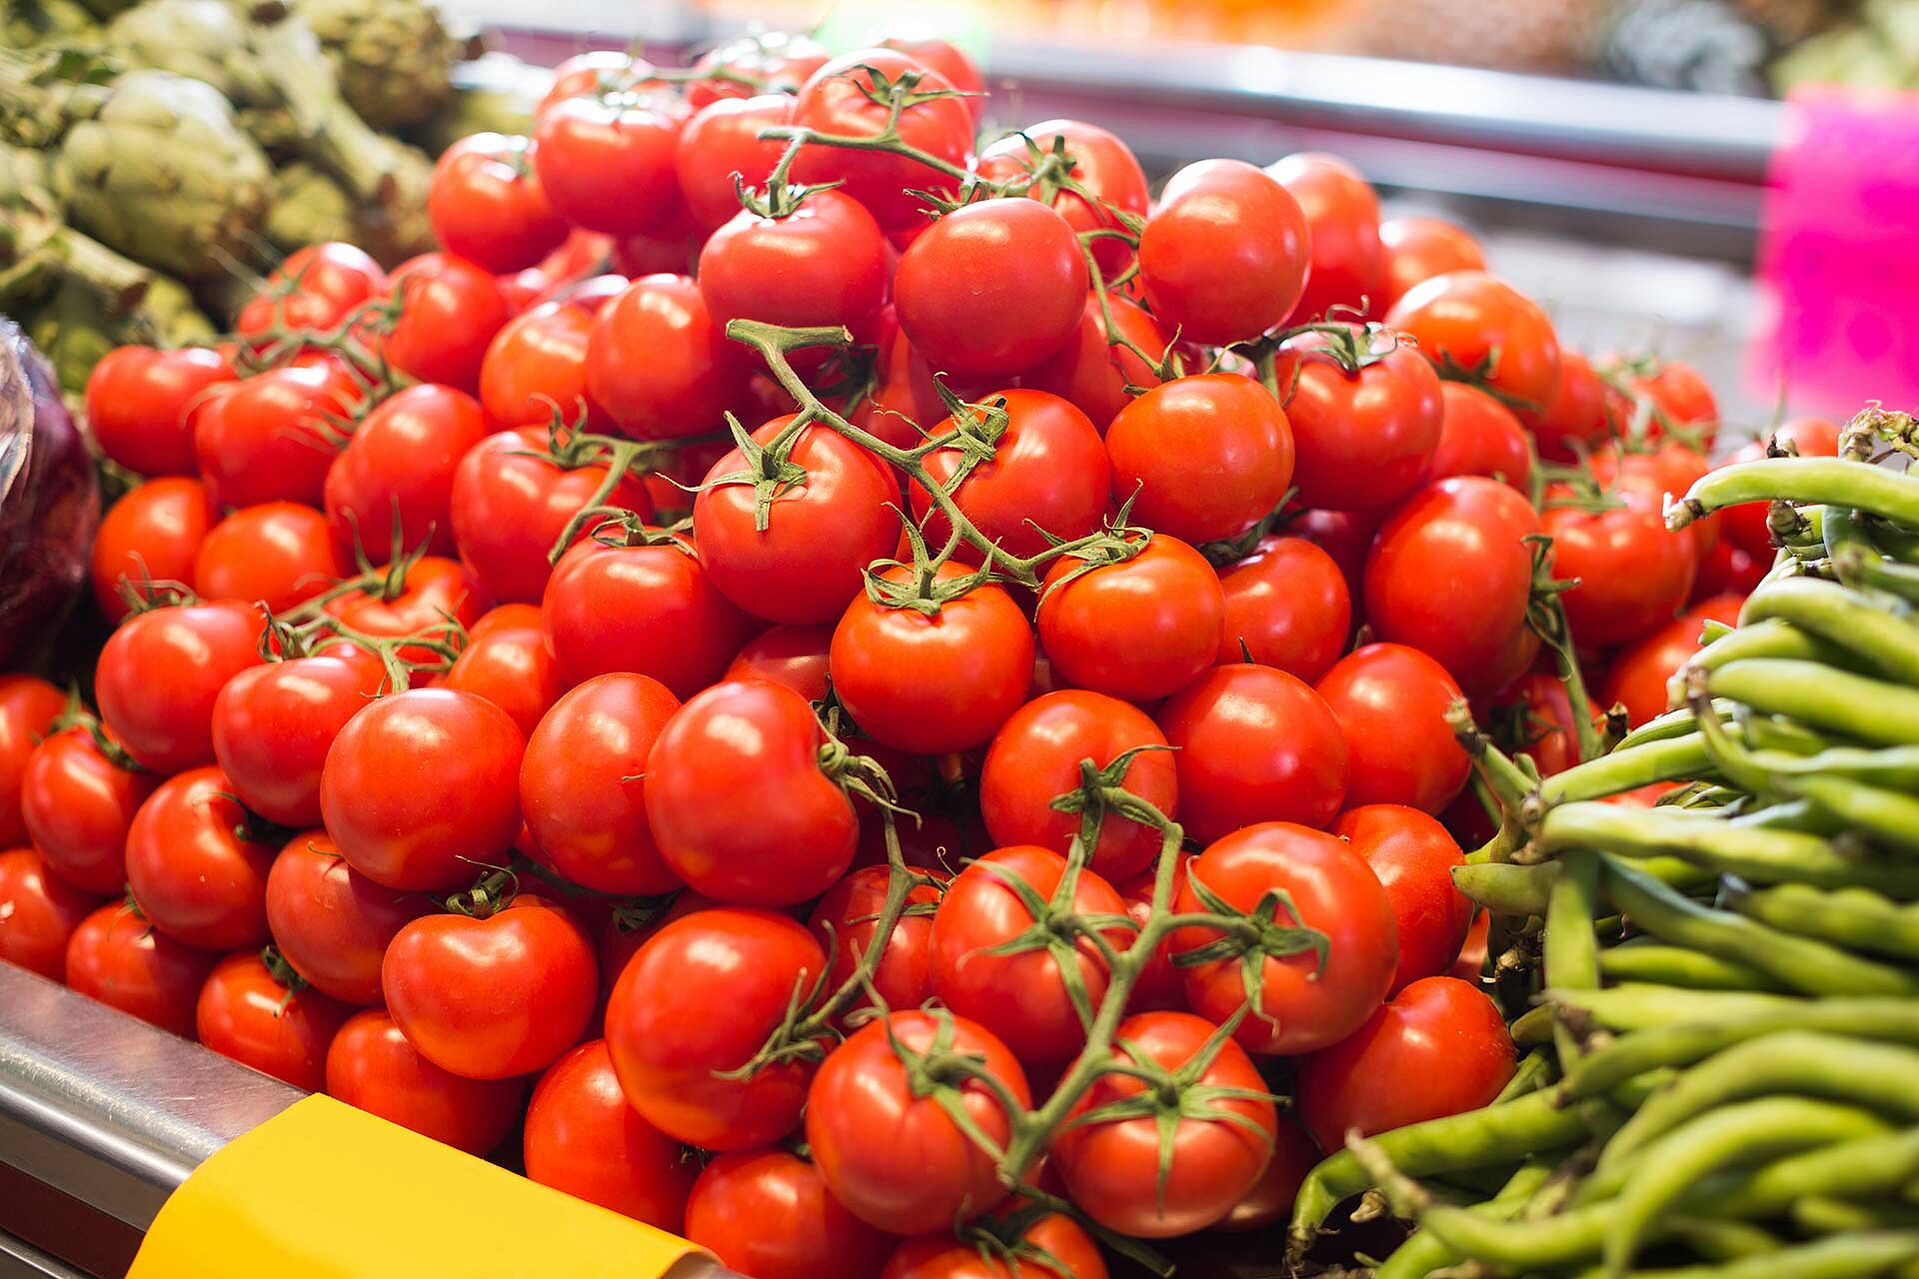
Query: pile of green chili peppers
column 1718, row 996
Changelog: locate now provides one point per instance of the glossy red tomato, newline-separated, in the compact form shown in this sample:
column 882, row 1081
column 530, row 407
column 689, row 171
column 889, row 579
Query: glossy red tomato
column 432, row 589
column 692, row 374
column 244, row 1012
column 1160, row 985
column 1103, row 166
column 39, row 911
column 1677, row 393
column 1138, row 629
column 605, row 161
column 1415, row 249
column 835, row 100
column 535, row 367
column 1335, row 898
column 373, row 1067
column 1637, row 678
column 824, row 263
column 846, row 922
column 1451, row 575
column 721, row 140
column 1207, row 456
column 271, row 437
column 77, row 801
column 331, row 923
column 594, row 71
column 450, row 310
column 1270, row 1201
column 582, row 1137
column 394, row 480
column 1543, row 716
column 194, row 867
column 154, row 533
column 1211, row 1162
column 1094, row 373
column 1474, row 324
column 928, row 1174
column 1439, row 1048
column 946, row 59
column 1342, row 217
column 1413, row 856
column 1578, row 417
column 756, row 735
column 756, row 61
column 795, row 656
column 768, row 1213
column 1054, row 1245
column 512, row 667
column 1362, row 438
column 159, row 674
column 421, row 785
column 1287, row 606
column 1632, row 573
column 1647, row 477
column 315, row 288
column 273, row 725
column 935, row 683
column 700, row 997
column 1253, row 744
column 118, row 958
column 142, row 405
column 1480, row 436
column 488, row 201
column 1745, row 525
column 1347, row 536
column 278, row 554
column 1391, row 703
column 1224, row 256
column 28, row 707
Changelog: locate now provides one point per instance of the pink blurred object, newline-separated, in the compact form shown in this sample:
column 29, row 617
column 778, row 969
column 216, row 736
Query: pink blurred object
column 1839, row 250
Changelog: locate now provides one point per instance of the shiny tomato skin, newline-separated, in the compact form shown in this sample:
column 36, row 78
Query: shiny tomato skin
column 700, row 996
column 1637, row 678
column 77, row 804
column 941, row 1256
column 1415, row 249
column 1208, row 456
column 273, row 725
column 943, row 57
column 1103, row 166
column 582, row 1137
column 722, row 139
column 1093, row 373
column 488, row 204
column 846, row 922
column 1347, row 536
column 395, row 476
column 583, row 788
column 606, row 162
column 1253, row 744
column 1213, row 1162
column 331, row 923
column 1578, row 417
column 1342, row 217
column 1362, row 440
column 650, row 609
column 153, row 533
column 1287, row 606
column 270, row 437
column 1391, row 703
column 795, row 656
column 432, row 588
column 834, row 101
column 1672, row 467
column 1035, row 758
column 1478, row 324
column 1632, row 574
column 768, row 1213
column 759, row 735
column 159, row 674
column 1224, row 256
column 1480, row 436
column 512, row 667
column 116, row 957
column 824, row 263
column 693, row 373
column 1137, row 630
column 535, row 367
column 28, row 707
column 142, row 404
column 315, row 288
column 1333, row 890
column 191, row 870
column 371, row 1066
column 450, row 310
column 280, row 554
column 245, row 1014
column 1413, row 856
column 928, row 1173
column 39, row 911
column 421, row 785
column 538, row 972
column 1271, row 1199
column 1451, row 575
column 1438, row 1048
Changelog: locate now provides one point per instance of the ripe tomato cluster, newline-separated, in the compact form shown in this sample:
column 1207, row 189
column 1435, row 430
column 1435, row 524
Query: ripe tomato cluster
column 801, row 624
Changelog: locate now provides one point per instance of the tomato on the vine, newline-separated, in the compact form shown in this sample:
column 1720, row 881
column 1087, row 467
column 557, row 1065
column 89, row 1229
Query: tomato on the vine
column 449, row 311
column 823, row 263
column 768, row 1213
column 722, row 140
column 1480, row 436
column 1638, row 676
column 1391, row 703
column 771, row 62
column 1415, row 249
column 279, row 554
column 1362, row 437
column 393, row 483
column 1287, row 606
column 1745, row 525
column 1202, row 458
column 692, row 374
column 1096, row 365
column 315, row 288
column 1476, row 326
column 116, row 957
column 195, row 866
column 372, row 1066
column 1631, row 573
column 245, row 1012
column 40, row 914
column 488, row 203
column 29, row 706
column 1543, row 726
column 1053, row 1247
column 160, row 673
column 272, row 436
column 582, row 1137
column 1224, row 256
column 1578, row 417
column 77, row 801
column 143, row 403
column 605, row 161
column 1103, row 166
column 153, row 534
column 846, row 922
column 1140, row 628
column 419, row 598
column 535, row 367
column 795, row 656
column 273, row 725
column 331, row 923
column 1413, row 856
column 843, row 98
column 1348, row 267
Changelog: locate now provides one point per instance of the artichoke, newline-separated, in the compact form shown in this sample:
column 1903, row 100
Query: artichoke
column 36, row 252
column 394, row 58
column 476, row 109
column 397, row 228
column 25, row 23
column 75, row 328
column 308, row 208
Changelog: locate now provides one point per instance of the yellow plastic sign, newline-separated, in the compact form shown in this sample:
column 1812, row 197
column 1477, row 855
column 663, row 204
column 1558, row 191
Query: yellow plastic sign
column 323, row 1189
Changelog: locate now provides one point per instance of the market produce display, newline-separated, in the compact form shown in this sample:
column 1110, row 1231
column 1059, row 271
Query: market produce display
column 903, row 706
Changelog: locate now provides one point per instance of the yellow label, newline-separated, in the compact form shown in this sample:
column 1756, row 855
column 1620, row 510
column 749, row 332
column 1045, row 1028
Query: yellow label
column 323, row 1189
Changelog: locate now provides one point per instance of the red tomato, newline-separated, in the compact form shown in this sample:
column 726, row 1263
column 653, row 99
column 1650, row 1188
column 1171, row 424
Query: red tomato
column 933, row 684
column 142, row 405
column 512, row 667
column 700, row 997
column 795, row 656
column 1253, row 744
column 1637, row 679
column 1632, row 574
column 271, row 437
column 77, row 801
column 1270, row 1201
column 721, row 140
column 116, row 957
column 432, row 589
column 1439, row 1048
column 1544, row 715
column 1578, row 417
column 846, row 922
column 1480, row 436
column 1211, row 1162
column 582, row 1137
column 692, row 373
column 605, row 161
column 1471, row 964
column 393, row 483
column 942, row 57
column 1103, row 166
column 244, row 1012
column 773, row 61
column 421, row 785
column 159, row 674
column 1745, row 525
column 1048, row 471
column 927, row 1174
column 535, row 966
column 1391, row 703
column 767, row 1213
column 449, row 312
column 991, row 289
column 1094, row 373
column 1681, row 398
column 1669, row 468
column 1335, row 898
column 535, row 367
column 1160, row 984
column 1138, row 629
column 28, row 707
column 1208, row 456
column 39, row 911
column 154, row 533
column 759, row 736
column 315, row 288
column 1287, row 606
column 1413, row 856
column 1363, row 440
column 1342, row 218
column 194, row 868
column 1477, row 325
column 273, row 725
column 373, row 1067
column 489, row 205
column 1450, row 575
column 593, row 71
column 834, row 100
column 1056, row 1245
column 1347, row 536
column 279, row 554
column 1415, row 249
column 824, row 263
column 331, row 923
column 1224, row 257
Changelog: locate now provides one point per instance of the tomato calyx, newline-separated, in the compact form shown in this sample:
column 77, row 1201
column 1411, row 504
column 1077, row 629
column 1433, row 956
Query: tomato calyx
column 76, row 715
column 942, row 1071
column 1234, row 549
column 284, row 974
column 769, row 468
column 1481, row 376
column 1254, row 936
column 1119, row 543
column 253, row 828
column 1058, row 928
column 1102, row 791
column 490, row 895
column 149, row 593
